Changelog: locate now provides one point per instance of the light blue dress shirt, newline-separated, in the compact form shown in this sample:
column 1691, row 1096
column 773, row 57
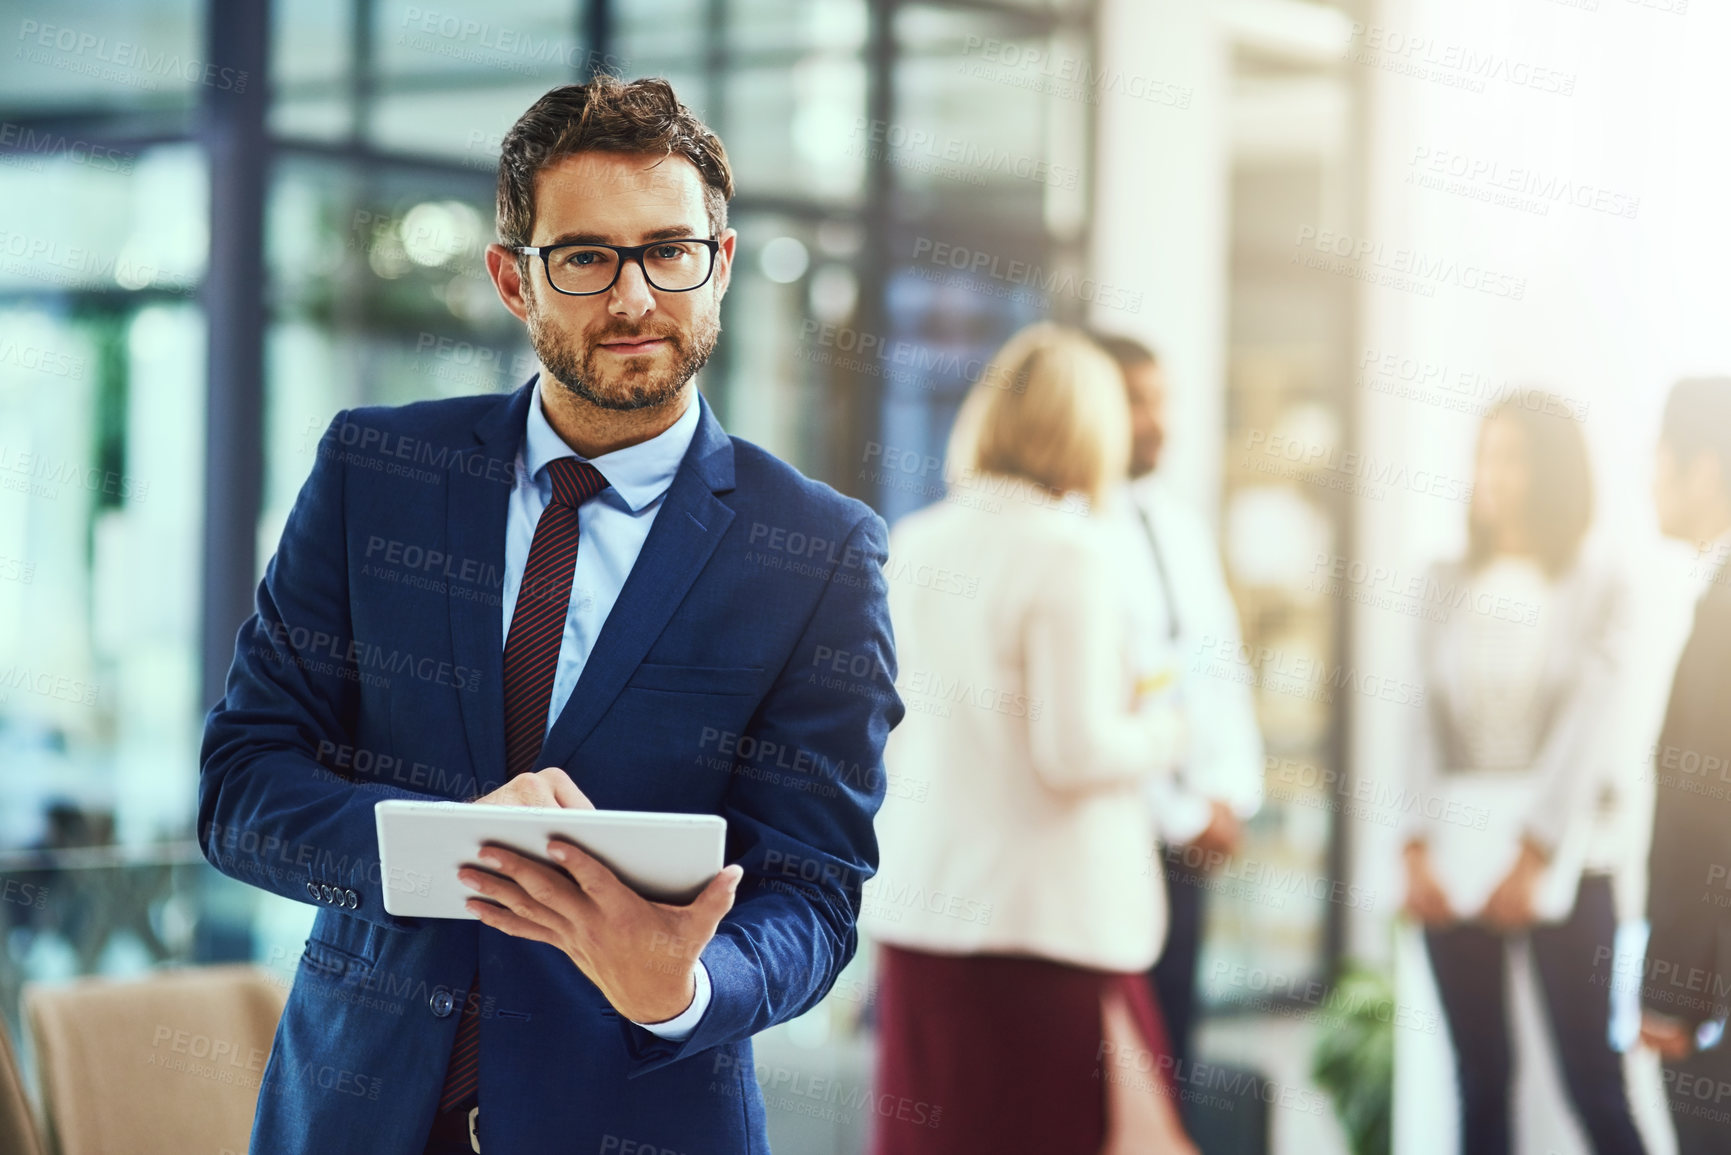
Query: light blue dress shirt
column 611, row 527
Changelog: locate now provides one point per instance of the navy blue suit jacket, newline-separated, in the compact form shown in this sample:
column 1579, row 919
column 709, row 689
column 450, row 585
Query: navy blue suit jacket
column 372, row 669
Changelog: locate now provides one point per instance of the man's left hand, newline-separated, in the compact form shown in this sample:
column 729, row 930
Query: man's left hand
column 1220, row 839
column 641, row 954
column 1670, row 1037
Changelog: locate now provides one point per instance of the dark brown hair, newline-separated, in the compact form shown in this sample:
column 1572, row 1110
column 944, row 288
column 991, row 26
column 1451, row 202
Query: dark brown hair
column 1559, row 506
column 605, row 115
column 1127, row 351
column 1698, row 420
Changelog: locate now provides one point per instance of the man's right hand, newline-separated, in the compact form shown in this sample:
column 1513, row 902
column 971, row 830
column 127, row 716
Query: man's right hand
column 549, row 787
column 1425, row 900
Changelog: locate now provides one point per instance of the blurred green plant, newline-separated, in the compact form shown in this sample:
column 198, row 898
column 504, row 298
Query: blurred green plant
column 1354, row 1062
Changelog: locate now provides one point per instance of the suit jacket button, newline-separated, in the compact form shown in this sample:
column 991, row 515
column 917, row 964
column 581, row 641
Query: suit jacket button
column 441, row 1002
column 351, row 899
column 325, row 891
column 313, row 890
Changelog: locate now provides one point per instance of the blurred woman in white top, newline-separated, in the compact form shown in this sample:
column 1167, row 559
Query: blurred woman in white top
column 1513, row 831
column 1019, row 899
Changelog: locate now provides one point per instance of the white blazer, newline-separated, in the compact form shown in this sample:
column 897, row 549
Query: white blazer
column 1015, row 820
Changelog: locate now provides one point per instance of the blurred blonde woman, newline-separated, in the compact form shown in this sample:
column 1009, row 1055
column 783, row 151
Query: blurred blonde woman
column 1019, row 901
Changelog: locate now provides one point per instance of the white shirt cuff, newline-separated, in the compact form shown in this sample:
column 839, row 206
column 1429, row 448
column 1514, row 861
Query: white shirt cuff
column 679, row 1027
column 1179, row 814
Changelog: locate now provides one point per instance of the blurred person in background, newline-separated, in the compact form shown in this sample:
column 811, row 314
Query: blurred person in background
column 1513, row 829
column 1019, row 902
column 1687, row 977
column 1180, row 597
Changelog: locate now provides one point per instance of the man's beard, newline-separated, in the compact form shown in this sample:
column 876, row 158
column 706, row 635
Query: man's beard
column 632, row 383
column 1145, row 454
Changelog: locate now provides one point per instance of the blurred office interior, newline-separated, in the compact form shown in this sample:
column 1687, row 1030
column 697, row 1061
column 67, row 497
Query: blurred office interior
column 1317, row 225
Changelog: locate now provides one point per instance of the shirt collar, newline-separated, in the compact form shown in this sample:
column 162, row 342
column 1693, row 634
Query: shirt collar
column 1712, row 562
column 639, row 473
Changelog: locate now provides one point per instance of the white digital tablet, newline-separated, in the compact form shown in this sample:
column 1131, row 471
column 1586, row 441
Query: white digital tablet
column 663, row 857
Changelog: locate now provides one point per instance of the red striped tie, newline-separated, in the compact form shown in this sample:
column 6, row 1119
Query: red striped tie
column 531, row 660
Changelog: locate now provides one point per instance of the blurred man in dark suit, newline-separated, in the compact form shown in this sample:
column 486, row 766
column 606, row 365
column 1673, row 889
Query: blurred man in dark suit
column 1686, row 982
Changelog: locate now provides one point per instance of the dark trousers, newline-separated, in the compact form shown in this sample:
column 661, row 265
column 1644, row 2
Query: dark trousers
column 1174, row 976
column 450, row 1133
column 1470, row 962
column 1699, row 1092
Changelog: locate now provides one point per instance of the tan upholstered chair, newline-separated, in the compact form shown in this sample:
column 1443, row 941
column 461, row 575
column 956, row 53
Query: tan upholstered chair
column 17, row 1124
column 167, row 1063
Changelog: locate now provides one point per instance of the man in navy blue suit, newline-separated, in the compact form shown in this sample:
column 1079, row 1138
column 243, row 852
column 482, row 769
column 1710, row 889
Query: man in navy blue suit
column 583, row 593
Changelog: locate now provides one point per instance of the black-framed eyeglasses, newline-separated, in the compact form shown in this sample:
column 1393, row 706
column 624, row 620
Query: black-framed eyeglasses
column 582, row 270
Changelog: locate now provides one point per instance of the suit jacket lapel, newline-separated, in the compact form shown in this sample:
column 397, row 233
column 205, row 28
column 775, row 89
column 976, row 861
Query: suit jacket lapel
column 478, row 500
column 687, row 529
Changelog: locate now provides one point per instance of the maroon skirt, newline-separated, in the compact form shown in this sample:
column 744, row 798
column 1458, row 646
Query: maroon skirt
column 986, row 1054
